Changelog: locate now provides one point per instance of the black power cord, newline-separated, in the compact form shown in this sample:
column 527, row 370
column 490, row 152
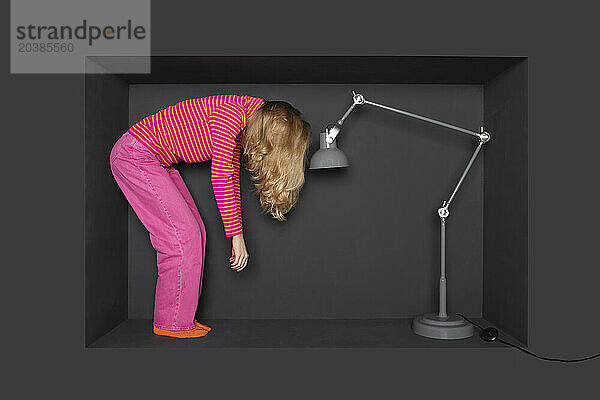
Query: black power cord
column 495, row 337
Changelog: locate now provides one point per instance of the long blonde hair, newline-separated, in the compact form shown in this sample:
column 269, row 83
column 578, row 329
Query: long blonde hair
column 276, row 141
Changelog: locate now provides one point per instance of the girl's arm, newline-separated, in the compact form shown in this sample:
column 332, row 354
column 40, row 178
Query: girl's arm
column 225, row 123
column 239, row 253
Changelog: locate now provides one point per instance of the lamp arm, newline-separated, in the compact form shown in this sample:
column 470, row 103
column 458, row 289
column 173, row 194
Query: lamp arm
column 483, row 137
column 332, row 130
column 358, row 98
column 443, row 211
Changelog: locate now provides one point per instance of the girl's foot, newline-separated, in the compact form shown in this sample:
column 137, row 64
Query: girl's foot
column 190, row 333
column 202, row 326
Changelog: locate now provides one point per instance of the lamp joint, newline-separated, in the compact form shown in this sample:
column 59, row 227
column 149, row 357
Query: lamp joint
column 484, row 136
column 358, row 98
column 332, row 131
column 443, row 211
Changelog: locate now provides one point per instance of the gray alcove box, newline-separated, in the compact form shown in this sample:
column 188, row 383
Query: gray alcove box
column 358, row 256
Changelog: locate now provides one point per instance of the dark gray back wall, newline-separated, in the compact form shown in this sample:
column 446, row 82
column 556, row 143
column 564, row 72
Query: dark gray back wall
column 505, row 279
column 362, row 242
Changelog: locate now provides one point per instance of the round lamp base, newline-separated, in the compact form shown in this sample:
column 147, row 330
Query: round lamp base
column 435, row 327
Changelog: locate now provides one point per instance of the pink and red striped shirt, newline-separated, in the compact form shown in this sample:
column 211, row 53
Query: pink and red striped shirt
column 202, row 129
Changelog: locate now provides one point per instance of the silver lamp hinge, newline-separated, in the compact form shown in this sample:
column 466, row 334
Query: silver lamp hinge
column 484, row 136
column 443, row 211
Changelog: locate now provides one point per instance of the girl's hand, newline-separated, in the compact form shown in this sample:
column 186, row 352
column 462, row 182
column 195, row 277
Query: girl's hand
column 239, row 254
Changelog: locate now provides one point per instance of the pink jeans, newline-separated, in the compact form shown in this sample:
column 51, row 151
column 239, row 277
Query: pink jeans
column 164, row 205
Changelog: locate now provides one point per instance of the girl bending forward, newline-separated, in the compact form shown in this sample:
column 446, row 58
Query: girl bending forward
column 274, row 140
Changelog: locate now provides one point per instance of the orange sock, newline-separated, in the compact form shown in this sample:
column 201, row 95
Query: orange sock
column 202, row 326
column 190, row 333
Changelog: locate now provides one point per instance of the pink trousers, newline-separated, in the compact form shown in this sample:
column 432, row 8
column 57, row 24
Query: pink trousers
column 164, row 205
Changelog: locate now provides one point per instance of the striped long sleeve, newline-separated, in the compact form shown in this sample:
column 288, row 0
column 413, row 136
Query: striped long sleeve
column 225, row 123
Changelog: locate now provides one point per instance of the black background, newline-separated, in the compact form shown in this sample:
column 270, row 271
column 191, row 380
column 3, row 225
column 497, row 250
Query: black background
column 42, row 292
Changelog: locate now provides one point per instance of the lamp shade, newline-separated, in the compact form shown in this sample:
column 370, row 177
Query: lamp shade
column 328, row 156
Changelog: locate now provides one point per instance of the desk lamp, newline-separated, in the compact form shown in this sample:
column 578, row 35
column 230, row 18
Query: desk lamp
column 440, row 325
